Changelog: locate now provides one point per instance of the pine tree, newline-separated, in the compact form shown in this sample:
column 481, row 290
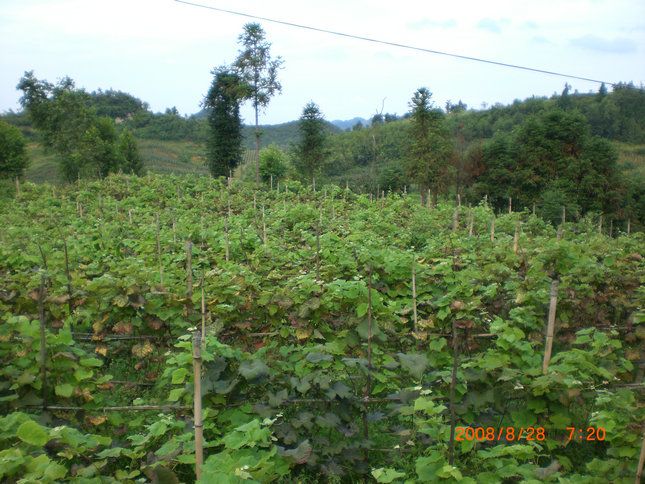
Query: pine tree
column 224, row 147
column 311, row 151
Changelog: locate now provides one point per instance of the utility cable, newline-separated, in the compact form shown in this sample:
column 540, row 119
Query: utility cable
column 396, row 44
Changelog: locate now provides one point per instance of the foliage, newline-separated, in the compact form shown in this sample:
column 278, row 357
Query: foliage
column 550, row 153
column 273, row 163
column 13, row 156
column 225, row 138
column 313, row 366
column 430, row 149
column 311, row 150
column 87, row 144
column 259, row 71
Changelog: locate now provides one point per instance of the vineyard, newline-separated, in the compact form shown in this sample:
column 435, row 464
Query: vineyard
column 328, row 337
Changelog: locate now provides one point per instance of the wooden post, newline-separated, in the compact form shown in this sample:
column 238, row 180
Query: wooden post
column 453, row 385
column 314, row 183
column 17, row 187
column 516, row 238
column 405, row 189
column 278, row 186
column 43, row 339
column 600, row 225
column 318, row 227
column 414, row 293
column 159, row 251
column 641, row 462
column 189, row 276
column 510, row 205
column 492, row 229
column 471, row 223
column 264, row 228
column 197, row 409
column 533, row 208
column 458, row 200
column 429, row 199
column 629, row 226
column 560, row 232
column 548, row 346
column 271, row 181
column 564, row 214
column 611, row 227
column 255, row 204
column 227, row 242
column 455, row 219
column 69, row 278
column 203, row 311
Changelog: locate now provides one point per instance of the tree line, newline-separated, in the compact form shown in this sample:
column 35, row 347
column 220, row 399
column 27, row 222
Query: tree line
column 550, row 152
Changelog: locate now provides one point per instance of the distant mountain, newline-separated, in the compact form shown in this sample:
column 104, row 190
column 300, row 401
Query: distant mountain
column 283, row 134
column 349, row 124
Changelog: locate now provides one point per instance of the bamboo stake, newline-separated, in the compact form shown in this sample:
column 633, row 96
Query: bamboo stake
column 629, row 226
column 492, row 230
column 600, row 225
column 458, row 200
column 533, row 208
column 453, row 385
column 641, row 462
column 548, row 346
column 255, row 202
column 43, row 339
column 69, row 278
column 189, row 276
column 428, row 199
column 197, row 408
column 414, row 293
column 159, row 251
column 516, row 238
column 314, row 183
column 368, row 386
column 271, row 181
column 510, row 205
column 203, row 342
column 264, row 228
column 17, row 187
column 318, row 249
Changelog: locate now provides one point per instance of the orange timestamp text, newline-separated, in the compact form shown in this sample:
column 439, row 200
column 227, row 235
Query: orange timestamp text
column 509, row 434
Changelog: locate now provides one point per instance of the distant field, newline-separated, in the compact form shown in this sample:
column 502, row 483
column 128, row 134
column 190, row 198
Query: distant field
column 158, row 156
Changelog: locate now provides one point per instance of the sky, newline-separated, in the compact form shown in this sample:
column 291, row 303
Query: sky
column 163, row 52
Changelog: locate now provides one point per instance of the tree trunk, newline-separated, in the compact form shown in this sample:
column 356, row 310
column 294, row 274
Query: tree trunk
column 257, row 147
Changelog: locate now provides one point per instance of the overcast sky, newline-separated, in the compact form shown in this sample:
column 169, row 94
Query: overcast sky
column 162, row 51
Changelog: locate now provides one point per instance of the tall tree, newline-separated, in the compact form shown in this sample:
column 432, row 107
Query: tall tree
column 225, row 137
column 260, row 72
column 430, row 149
column 311, row 151
column 13, row 156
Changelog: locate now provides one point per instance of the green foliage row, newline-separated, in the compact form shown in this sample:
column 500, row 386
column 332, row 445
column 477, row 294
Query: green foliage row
column 326, row 276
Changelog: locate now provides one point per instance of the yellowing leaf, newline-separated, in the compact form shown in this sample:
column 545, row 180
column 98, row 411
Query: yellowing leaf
column 101, row 350
column 142, row 350
column 303, row 333
column 96, row 420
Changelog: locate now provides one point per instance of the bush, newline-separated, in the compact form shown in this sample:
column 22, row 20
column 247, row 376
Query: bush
column 13, row 157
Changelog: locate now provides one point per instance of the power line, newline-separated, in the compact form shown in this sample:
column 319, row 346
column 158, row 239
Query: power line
column 395, row 44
